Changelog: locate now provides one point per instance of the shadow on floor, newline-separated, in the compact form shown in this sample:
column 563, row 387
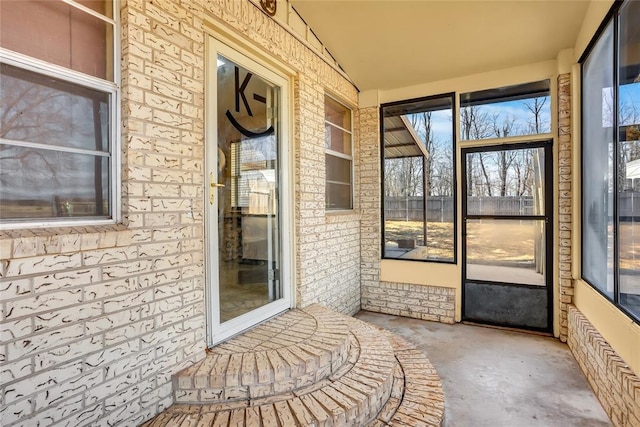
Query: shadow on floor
column 501, row 378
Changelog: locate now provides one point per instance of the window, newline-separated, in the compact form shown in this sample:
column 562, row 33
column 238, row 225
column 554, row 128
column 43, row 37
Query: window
column 518, row 110
column 611, row 160
column 338, row 155
column 58, row 112
column 419, row 206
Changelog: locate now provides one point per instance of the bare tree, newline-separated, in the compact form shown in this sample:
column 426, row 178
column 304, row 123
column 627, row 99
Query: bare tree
column 536, row 106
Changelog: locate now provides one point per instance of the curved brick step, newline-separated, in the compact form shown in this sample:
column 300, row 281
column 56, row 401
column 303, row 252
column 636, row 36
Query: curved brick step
column 417, row 397
column 294, row 350
column 384, row 381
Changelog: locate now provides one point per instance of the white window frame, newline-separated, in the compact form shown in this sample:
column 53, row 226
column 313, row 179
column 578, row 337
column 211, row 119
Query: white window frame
column 111, row 88
column 340, row 155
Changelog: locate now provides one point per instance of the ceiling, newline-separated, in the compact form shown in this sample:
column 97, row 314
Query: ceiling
column 386, row 44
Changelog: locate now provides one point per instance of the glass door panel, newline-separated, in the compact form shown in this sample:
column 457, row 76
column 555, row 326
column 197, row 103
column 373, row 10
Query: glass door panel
column 518, row 259
column 246, row 178
column 247, row 186
column 506, row 210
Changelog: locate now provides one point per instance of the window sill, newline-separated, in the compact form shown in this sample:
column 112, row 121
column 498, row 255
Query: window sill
column 30, row 242
column 339, row 215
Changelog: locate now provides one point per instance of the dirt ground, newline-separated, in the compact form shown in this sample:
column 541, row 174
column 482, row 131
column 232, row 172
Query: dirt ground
column 500, row 241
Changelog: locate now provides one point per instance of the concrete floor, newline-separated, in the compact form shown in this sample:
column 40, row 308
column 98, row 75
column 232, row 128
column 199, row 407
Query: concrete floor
column 501, row 378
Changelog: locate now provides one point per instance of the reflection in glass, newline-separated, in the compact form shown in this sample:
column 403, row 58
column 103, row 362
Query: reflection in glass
column 248, row 172
column 39, row 117
column 36, row 184
column 629, row 159
column 67, row 115
column 338, row 155
column 419, row 179
column 597, row 165
column 517, row 259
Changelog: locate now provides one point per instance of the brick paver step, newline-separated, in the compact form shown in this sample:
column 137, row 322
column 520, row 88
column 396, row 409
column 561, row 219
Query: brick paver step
column 383, row 380
column 295, row 349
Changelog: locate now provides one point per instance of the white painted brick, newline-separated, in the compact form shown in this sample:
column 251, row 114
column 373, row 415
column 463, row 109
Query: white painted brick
column 16, row 411
column 111, row 321
column 64, row 279
column 43, row 264
column 111, row 288
column 11, row 330
column 127, row 332
column 12, row 371
column 42, row 341
column 41, row 381
column 46, row 302
column 122, row 366
column 67, row 352
column 62, row 410
column 10, row 289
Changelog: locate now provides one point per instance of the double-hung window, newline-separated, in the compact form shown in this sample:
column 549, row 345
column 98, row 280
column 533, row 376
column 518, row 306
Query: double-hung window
column 338, row 155
column 58, row 112
column 611, row 160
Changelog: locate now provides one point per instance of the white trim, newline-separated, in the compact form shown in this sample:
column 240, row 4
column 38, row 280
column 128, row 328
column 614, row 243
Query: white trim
column 63, row 223
column 52, row 70
column 62, row 148
column 341, row 155
column 504, row 141
column 217, row 331
column 112, row 88
column 338, row 154
column 327, row 122
column 91, row 12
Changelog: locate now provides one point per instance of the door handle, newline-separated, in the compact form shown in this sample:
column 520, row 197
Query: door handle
column 213, row 186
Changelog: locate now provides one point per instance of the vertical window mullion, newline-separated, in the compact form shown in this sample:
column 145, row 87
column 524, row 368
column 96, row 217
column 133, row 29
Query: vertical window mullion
column 616, row 163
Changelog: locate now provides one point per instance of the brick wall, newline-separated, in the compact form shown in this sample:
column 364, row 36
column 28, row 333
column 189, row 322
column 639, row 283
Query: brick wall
column 95, row 320
column 328, row 254
column 615, row 384
column 432, row 303
column 401, row 299
column 564, row 200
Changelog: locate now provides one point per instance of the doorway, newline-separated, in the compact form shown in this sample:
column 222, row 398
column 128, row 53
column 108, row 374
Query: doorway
column 247, row 171
column 507, row 236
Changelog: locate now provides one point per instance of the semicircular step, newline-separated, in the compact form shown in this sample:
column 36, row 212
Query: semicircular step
column 382, row 380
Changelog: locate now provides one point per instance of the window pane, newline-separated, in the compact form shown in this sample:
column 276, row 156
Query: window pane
column 339, row 169
column 419, row 202
column 60, row 34
column 337, row 140
column 66, row 115
column 518, row 259
column 338, row 196
column 629, row 160
column 337, row 113
column 36, row 184
column 597, row 165
column 503, row 112
column 506, row 182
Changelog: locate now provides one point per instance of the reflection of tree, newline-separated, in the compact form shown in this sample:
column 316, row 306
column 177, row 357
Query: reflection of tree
column 38, row 113
column 26, row 115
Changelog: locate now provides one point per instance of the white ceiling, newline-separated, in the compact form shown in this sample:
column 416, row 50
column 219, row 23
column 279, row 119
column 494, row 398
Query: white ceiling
column 386, row 44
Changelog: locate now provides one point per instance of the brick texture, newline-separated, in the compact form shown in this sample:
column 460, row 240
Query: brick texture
column 417, row 301
column 401, row 299
column 95, row 320
column 614, row 383
column 564, row 201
